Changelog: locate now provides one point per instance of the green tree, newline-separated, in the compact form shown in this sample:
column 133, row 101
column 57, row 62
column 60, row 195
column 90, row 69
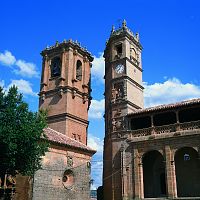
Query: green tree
column 22, row 139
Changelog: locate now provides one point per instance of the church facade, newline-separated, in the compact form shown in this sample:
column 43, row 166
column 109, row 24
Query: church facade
column 65, row 93
column 149, row 153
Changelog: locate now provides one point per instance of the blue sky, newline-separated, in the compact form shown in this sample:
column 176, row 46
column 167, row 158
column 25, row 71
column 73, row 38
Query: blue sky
column 169, row 32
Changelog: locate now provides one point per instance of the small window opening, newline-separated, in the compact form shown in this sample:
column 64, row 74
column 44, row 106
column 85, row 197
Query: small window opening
column 74, row 136
column 119, row 49
column 79, row 70
column 55, row 67
column 79, row 138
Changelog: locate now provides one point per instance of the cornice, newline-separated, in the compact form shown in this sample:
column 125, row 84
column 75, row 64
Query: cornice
column 66, row 46
column 123, row 102
column 64, row 90
column 66, row 115
column 128, row 78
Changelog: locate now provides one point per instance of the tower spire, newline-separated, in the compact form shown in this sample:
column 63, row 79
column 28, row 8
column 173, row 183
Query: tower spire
column 113, row 29
column 124, row 23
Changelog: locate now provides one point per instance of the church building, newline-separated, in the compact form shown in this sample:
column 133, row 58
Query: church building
column 149, row 153
column 65, row 93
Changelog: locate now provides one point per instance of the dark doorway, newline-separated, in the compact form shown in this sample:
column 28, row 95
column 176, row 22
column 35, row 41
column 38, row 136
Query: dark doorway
column 187, row 172
column 154, row 175
column 163, row 183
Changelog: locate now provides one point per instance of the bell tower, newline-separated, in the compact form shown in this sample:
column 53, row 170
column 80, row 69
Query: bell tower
column 65, row 88
column 123, row 75
column 123, row 95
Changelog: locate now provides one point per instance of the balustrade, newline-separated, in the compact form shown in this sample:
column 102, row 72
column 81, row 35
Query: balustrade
column 165, row 129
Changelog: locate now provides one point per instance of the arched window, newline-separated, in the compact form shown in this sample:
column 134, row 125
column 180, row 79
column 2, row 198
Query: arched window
column 79, row 70
column 133, row 53
column 55, row 67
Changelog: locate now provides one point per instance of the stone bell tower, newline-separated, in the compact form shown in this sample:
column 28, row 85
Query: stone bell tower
column 123, row 95
column 65, row 88
column 123, row 75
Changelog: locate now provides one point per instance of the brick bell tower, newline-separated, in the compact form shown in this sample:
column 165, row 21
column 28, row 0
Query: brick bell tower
column 65, row 88
column 123, row 95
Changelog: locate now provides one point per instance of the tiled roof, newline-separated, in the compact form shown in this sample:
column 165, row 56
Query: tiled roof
column 59, row 138
column 166, row 106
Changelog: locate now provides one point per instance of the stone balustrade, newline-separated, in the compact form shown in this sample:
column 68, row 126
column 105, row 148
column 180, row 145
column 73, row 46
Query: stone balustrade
column 165, row 129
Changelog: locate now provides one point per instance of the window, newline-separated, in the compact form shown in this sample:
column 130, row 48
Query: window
column 68, row 179
column 79, row 138
column 186, row 157
column 55, row 67
column 79, row 70
column 118, row 50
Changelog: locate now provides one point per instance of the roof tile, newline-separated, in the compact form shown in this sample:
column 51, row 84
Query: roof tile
column 166, row 106
column 59, row 138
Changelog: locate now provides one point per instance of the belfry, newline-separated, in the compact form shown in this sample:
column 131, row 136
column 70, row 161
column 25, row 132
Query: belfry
column 65, row 93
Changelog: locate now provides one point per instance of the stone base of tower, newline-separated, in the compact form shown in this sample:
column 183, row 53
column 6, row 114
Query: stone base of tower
column 65, row 172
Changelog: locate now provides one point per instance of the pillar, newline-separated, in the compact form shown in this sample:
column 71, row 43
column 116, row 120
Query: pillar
column 138, row 175
column 45, row 73
column 63, row 67
column 74, row 65
column 152, row 125
column 85, row 60
column 177, row 121
column 170, row 173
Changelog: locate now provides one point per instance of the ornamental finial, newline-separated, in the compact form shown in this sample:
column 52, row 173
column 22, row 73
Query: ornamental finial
column 113, row 29
column 57, row 43
column 124, row 23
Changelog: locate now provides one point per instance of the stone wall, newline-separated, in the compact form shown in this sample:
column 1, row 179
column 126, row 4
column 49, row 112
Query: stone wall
column 50, row 183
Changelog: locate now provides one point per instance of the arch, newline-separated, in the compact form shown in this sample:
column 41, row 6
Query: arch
column 133, row 53
column 154, row 176
column 187, row 167
column 55, row 67
column 79, row 70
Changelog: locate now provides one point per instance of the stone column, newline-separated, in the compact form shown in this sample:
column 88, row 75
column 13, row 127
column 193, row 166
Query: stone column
column 74, row 64
column 84, row 70
column 63, row 67
column 138, row 175
column 152, row 125
column 122, row 171
column 45, row 73
column 177, row 121
column 170, row 173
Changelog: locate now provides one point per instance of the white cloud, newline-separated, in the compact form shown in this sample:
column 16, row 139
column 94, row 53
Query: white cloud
column 23, row 87
column 20, row 67
column 96, row 109
column 26, row 69
column 7, row 58
column 97, row 160
column 95, row 143
column 98, row 68
column 170, row 91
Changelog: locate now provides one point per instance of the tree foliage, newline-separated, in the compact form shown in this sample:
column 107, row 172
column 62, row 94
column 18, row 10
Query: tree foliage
column 22, row 139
